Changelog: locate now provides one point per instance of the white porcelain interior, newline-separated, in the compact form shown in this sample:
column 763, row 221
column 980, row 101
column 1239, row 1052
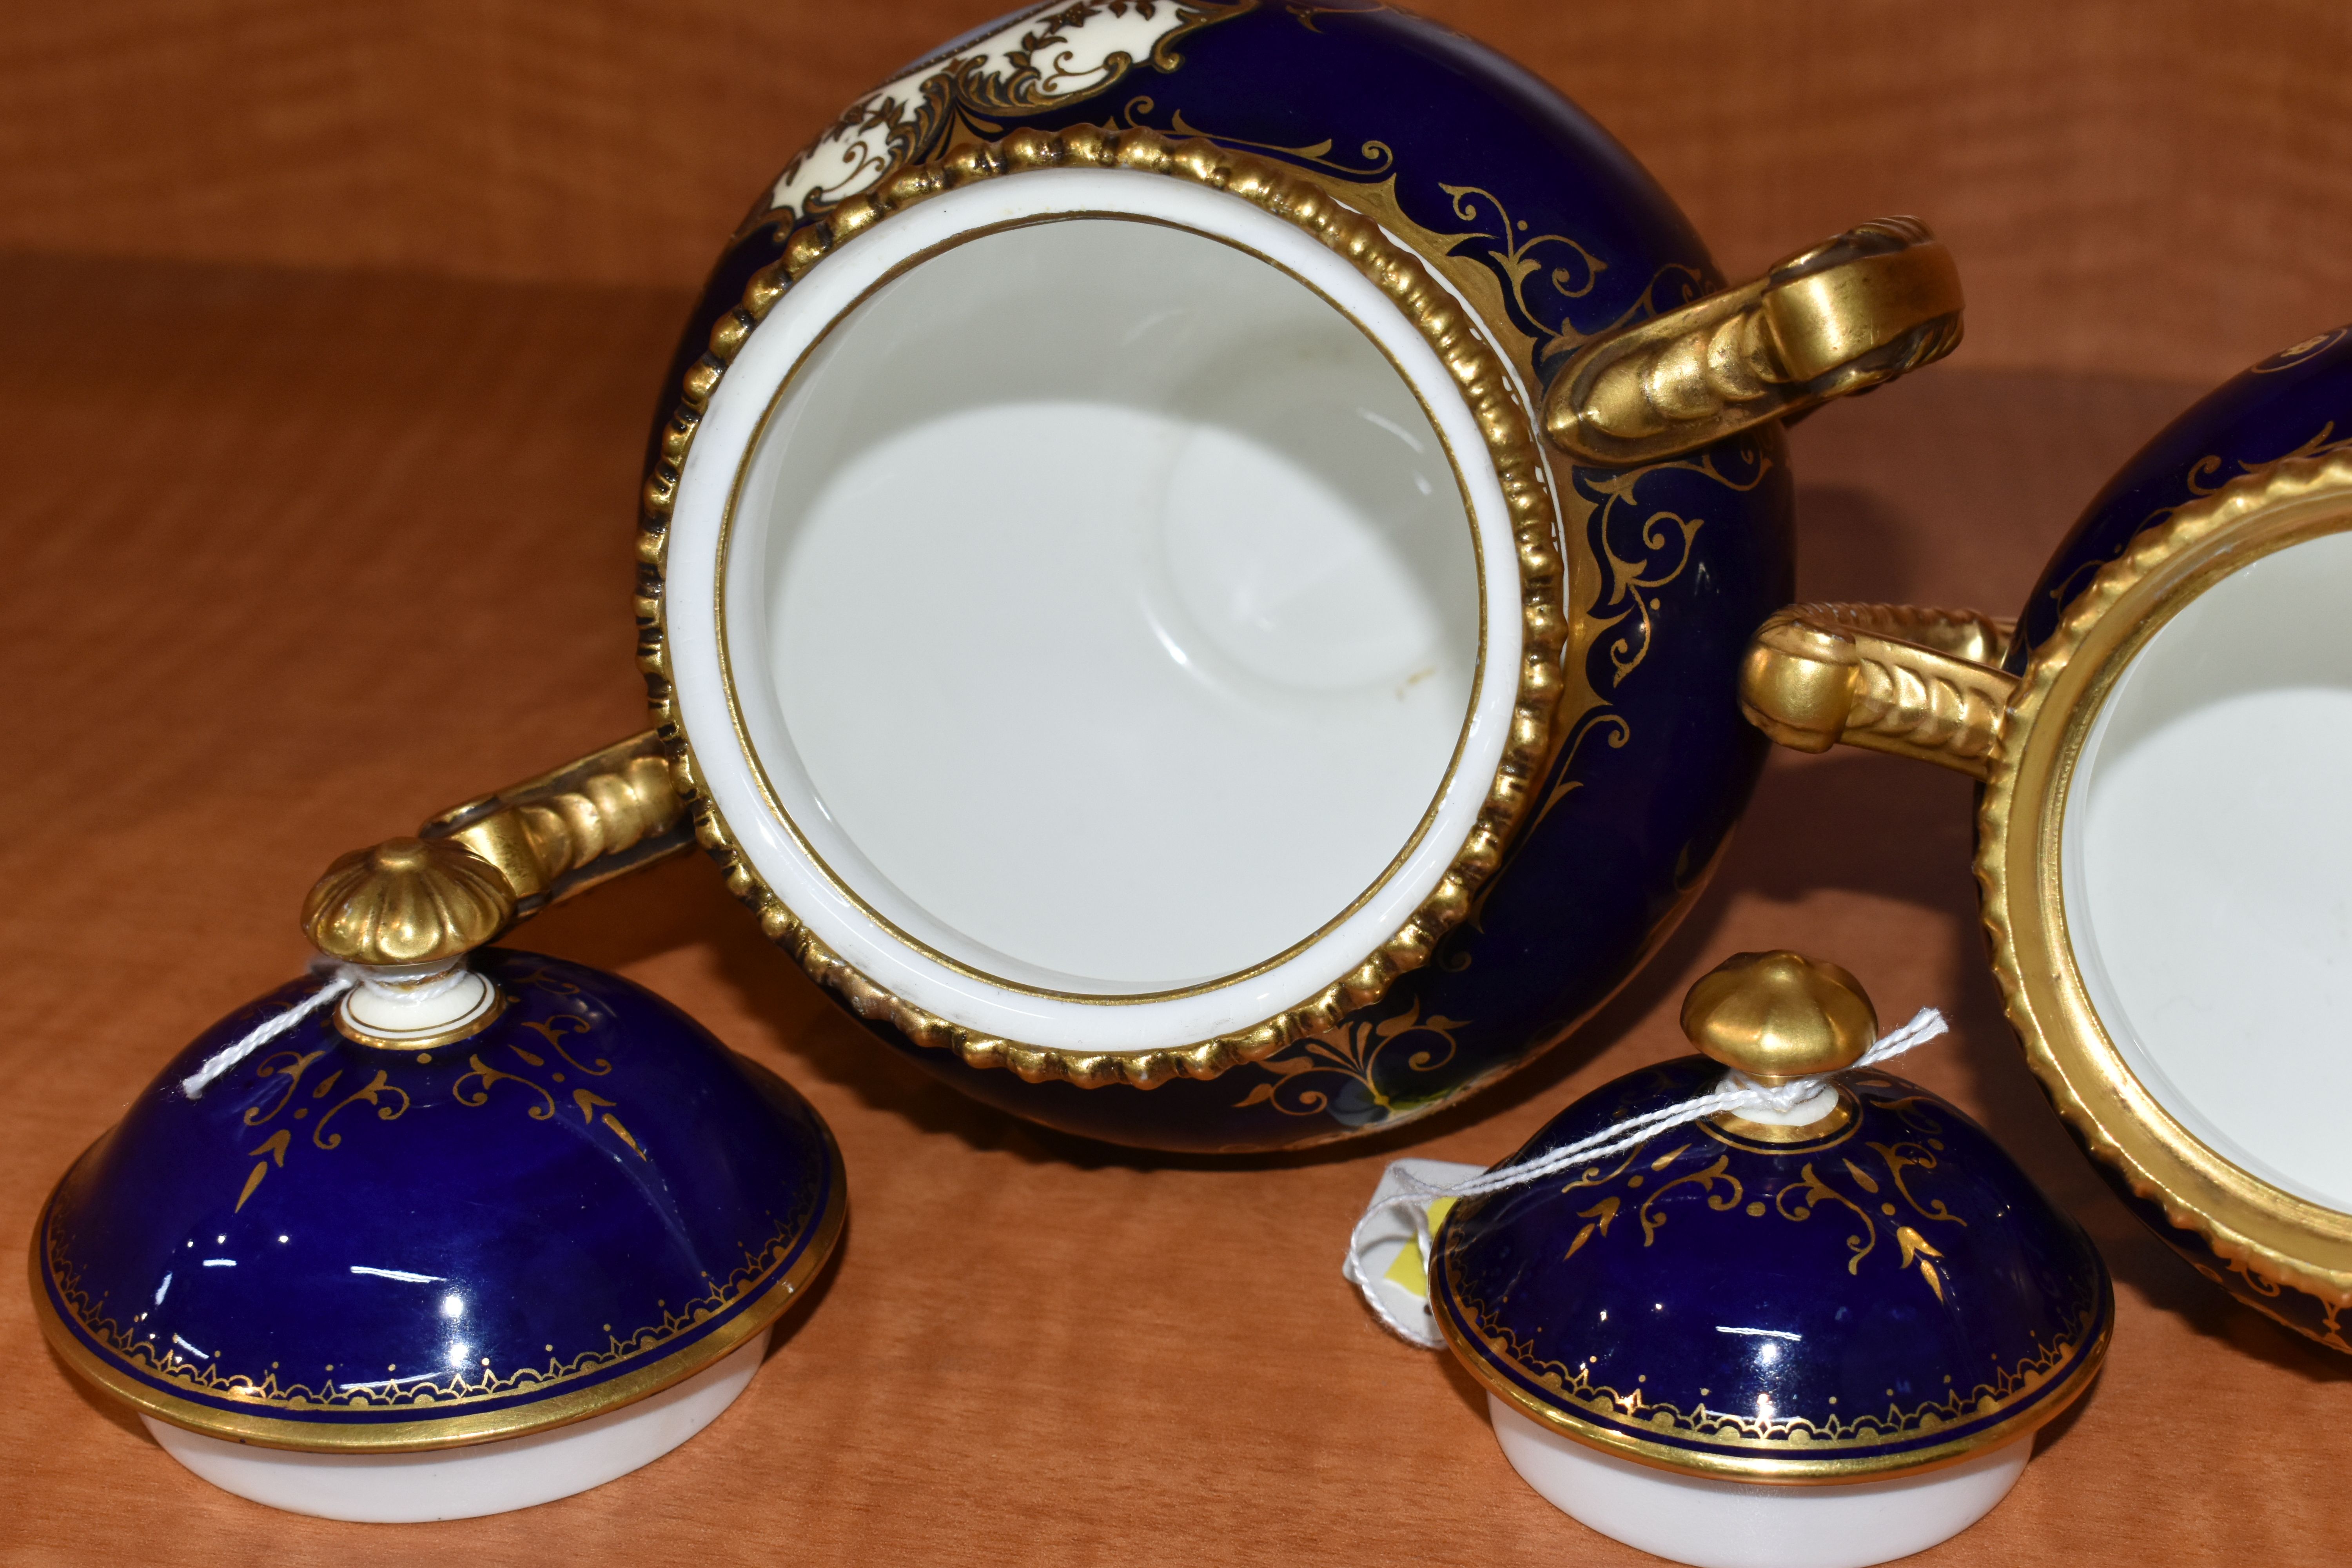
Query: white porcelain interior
column 465, row 1483
column 2208, row 867
column 1119, row 604
column 1729, row 1524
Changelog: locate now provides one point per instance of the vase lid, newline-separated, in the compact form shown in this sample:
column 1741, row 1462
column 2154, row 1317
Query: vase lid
column 1878, row 1291
column 340, row 1245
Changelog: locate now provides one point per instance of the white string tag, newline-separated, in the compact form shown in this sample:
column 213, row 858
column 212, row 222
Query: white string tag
column 1389, row 1262
column 343, row 977
column 1407, row 1198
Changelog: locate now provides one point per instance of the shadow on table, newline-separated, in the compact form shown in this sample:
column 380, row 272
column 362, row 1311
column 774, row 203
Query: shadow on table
column 1855, row 546
column 1848, row 821
column 105, row 1404
column 1852, row 544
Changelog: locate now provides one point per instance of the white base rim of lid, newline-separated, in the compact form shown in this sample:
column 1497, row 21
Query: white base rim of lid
column 1729, row 1524
column 466, row 1483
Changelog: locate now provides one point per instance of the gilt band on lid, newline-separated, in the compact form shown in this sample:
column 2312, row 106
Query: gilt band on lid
column 1878, row 1292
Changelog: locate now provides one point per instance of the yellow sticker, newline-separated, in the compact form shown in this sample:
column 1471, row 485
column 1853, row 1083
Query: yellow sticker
column 1406, row 1271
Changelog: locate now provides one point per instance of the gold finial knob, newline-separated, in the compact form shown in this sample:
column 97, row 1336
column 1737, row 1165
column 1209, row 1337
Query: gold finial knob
column 1779, row 1016
column 407, row 901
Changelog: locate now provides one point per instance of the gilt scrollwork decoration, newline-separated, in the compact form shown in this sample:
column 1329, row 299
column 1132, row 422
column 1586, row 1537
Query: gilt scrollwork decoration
column 1370, row 1056
column 281, row 1077
column 390, row 1103
column 1707, row 1180
column 1645, row 549
column 1564, row 264
column 1852, row 1191
column 2210, row 474
column 1641, row 550
column 1378, row 159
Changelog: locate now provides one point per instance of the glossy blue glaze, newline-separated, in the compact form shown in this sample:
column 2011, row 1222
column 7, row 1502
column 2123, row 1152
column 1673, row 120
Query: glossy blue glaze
column 1498, row 172
column 1895, row 1292
column 337, row 1235
column 2296, row 403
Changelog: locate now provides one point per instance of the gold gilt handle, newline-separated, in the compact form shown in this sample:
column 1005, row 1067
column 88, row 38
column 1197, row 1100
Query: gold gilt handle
column 1918, row 683
column 586, row 823
column 1864, row 308
column 475, row 870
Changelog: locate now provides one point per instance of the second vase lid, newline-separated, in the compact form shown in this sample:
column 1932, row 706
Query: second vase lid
column 1881, row 1291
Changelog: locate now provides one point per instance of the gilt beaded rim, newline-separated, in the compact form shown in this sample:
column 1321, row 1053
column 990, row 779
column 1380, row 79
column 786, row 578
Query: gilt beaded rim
column 765, row 782
column 2253, row 1226
column 1480, row 376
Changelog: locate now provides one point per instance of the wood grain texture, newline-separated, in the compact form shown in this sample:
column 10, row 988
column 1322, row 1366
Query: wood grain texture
column 2145, row 187
column 297, row 559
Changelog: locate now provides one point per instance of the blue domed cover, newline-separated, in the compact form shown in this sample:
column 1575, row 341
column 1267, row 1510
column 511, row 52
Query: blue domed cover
column 340, row 1245
column 1890, row 1296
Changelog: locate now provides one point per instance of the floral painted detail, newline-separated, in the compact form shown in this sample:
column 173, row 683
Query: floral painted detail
column 1052, row 56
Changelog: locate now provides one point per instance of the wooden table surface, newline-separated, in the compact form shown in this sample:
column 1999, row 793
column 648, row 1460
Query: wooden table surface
column 296, row 558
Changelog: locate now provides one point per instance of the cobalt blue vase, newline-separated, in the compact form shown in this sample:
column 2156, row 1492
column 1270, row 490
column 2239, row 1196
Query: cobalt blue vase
column 2160, row 744
column 1197, row 567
